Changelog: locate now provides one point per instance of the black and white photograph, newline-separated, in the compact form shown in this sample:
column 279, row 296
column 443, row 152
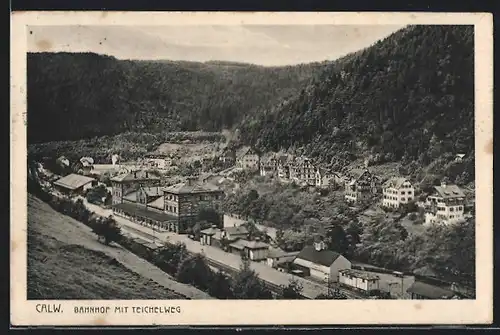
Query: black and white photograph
column 252, row 161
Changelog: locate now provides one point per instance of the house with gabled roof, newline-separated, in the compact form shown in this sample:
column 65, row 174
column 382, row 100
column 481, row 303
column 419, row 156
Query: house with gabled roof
column 321, row 263
column 74, row 184
column 397, row 191
column 326, row 178
column 248, row 159
column 254, row 250
column 359, row 184
column 445, row 205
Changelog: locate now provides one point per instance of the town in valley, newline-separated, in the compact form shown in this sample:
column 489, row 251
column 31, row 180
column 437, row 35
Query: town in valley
column 356, row 183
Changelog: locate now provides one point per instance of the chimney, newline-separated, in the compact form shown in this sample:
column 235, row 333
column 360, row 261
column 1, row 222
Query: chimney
column 214, row 226
column 443, row 184
column 257, row 239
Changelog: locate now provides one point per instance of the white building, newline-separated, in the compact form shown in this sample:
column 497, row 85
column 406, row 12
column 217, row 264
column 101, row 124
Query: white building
column 322, row 264
column 396, row 192
column 325, row 178
column 248, row 159
column 360, row 280
column 445, row 205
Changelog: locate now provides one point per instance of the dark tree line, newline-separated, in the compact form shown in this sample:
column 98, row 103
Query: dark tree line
column 409, row 97
column 86, row 95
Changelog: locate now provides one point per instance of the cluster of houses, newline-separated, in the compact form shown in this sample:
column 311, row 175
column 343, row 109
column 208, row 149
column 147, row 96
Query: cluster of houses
column 139, row 196
column 313, row 261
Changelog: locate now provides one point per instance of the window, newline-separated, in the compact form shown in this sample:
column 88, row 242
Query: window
column 452, row 209
column 402, row 192
column 403, row 199
column 410, row 198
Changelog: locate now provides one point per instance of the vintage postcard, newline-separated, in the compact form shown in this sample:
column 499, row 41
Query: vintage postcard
column 251, row 168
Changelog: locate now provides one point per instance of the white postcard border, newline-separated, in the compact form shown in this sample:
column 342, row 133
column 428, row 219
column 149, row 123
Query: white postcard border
column 240, row 312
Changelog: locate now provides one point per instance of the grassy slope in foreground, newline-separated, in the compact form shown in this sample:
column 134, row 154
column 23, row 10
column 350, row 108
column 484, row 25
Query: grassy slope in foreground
column 65, row 261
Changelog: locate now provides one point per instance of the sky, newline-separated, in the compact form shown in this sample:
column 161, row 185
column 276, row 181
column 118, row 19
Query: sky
column 258, row 44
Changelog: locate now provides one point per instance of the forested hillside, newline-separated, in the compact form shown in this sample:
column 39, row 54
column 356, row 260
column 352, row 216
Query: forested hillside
column 408, row 98
column 74, row 96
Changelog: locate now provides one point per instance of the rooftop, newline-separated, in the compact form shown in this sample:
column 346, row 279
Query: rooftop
column 430, row 291
column 154, row 191
column 236, row 230
column 323, row 257
column 395, row 182
column 135, row 175
column 73, row 181
column 191, row 187
column 449, row 191
column 158, row 203
column 275, row 253
column 360, row 274
column 242, row 244
column 142, row 211
column 210, row 231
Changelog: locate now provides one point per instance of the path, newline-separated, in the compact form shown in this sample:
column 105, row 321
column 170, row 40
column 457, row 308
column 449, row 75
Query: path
column 310, row 289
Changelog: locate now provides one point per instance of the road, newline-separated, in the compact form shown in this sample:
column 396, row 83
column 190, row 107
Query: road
column 310, row 289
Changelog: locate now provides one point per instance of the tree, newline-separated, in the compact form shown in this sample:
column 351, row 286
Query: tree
column 246, row 284
column 292, row 291
column 210, row 216
column 194, row 270
column 334, row 294
column 336, row 239
column 220, row 286
column 96, row 194
column 108, row 229
column 169, row 258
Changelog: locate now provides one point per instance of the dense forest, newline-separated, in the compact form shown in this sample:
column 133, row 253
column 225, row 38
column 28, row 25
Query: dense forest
column 409, row 98
column 73, row 96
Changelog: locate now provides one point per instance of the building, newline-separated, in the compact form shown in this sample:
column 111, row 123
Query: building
column 148, row 194
column 228, row 157
column 445, row 205
column 360, row 184
column 234, row 233
column 325, row 178
column 397, row 192
column 173, row 208
column 276, row 257
column 130, row 182
column 211, row 236
column 321, row 263
column 248, row 159
column 359, row 280
column 425, row 291
column 303, row 172
column 186, row 200
column 269, row 166
column 158, row 161
column 459, row 157
column 284, row 169
column 74, row 184
column 254, row 250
